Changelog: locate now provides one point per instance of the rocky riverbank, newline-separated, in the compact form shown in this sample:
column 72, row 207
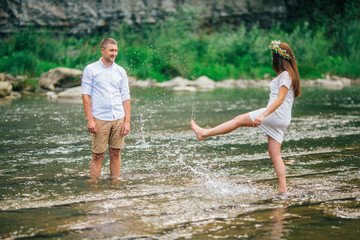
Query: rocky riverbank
column 86, row 17
column 65, row 83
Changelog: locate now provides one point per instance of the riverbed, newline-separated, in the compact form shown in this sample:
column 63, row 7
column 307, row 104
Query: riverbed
column 176, row 187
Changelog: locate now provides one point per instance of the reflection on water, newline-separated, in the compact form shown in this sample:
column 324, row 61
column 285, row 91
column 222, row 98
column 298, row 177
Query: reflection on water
column 178, row 187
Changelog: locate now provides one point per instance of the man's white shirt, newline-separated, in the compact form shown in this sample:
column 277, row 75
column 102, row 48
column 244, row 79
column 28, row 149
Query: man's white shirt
column 108, row 88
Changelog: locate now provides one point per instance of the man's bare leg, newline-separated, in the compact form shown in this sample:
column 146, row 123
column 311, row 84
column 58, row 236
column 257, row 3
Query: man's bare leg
column 224, row 128
column 115, row 163
column 95, row 165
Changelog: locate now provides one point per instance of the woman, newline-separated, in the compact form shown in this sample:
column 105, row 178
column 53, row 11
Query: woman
column 273, row 119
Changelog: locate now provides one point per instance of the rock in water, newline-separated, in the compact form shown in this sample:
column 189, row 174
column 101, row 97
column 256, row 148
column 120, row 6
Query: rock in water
column 74, row 92
column 5, row 89
column 60, row 77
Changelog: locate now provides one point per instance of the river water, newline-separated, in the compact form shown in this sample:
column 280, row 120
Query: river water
column 177, row 187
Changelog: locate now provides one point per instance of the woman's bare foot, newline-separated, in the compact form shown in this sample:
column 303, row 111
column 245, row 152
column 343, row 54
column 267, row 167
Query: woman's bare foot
column 282, row 191
column 198, row 130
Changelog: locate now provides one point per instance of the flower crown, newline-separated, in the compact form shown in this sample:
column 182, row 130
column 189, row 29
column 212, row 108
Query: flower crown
column 274, row 46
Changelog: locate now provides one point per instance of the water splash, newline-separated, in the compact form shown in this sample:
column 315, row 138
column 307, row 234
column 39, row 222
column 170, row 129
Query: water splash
column 194, row 170
column 216, row 186
column 193, row 107
column 142, row 126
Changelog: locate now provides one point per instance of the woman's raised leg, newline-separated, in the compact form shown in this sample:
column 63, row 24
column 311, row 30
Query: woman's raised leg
column 224, row 128
column 275, row 155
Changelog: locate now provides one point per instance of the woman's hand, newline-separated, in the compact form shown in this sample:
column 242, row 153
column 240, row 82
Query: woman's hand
column 258, row 120
column 280, row 99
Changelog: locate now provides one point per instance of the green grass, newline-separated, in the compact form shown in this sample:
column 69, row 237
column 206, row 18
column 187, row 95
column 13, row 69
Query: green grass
column 179, row 46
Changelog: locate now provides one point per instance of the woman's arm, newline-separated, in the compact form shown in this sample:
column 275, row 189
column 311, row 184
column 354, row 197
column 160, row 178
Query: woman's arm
column 280, row 99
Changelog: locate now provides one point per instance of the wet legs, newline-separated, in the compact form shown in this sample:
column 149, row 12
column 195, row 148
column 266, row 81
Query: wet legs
column 115, row 163
column 95, row 165
column 224, row 128
column 240, row 121
column 275, row 155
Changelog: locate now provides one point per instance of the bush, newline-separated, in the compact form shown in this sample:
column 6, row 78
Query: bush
column 179, row 46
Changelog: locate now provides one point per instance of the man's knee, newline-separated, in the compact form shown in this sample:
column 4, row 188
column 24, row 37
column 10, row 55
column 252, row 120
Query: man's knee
column 114, row 152
column 98, row 156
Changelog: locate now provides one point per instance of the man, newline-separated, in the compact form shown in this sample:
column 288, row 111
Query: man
column 106, row 99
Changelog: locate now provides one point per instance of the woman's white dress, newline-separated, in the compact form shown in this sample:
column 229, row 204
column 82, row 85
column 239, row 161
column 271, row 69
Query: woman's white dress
column 276, row 123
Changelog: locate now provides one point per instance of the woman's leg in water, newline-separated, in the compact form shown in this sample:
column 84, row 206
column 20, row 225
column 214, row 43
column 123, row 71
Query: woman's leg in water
column 224, row 128
column 275, row 155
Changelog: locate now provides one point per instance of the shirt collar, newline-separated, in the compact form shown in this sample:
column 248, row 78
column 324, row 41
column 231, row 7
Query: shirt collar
column 104, row 64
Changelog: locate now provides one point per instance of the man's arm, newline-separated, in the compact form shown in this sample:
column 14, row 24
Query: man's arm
column 126, row 126
column 87, row 108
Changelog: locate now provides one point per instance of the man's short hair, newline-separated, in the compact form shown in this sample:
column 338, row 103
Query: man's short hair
column 107, row 41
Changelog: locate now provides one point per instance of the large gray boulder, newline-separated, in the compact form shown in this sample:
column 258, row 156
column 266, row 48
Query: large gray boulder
column 74, row 92
column 5, row 89
column 204, row 82
column 60, row 77
column 141, row 83
column 176, row 82
column 2, row 77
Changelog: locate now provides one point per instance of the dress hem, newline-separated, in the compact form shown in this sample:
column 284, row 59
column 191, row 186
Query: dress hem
column 269, row 134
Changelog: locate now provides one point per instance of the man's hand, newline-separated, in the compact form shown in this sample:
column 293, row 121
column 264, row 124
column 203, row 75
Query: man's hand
column 92, row 126
column 126, row 125
column 125, row 129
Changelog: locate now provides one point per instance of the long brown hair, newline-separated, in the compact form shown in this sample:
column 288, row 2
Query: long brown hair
column 281, row 64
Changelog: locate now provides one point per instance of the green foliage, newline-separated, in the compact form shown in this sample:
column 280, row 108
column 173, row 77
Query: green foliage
column 180, row 46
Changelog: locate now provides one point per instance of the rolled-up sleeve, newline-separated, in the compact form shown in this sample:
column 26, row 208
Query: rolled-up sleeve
column 125, row 91
column 86, row 83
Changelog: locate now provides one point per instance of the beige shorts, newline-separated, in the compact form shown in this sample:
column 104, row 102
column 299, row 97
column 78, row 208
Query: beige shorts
column 108, row 133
